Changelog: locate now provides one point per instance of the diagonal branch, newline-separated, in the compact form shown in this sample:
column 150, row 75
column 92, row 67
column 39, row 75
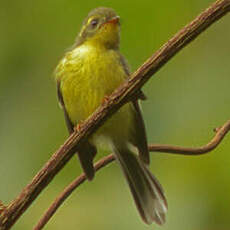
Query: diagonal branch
column 123, row 94
column 220, row 134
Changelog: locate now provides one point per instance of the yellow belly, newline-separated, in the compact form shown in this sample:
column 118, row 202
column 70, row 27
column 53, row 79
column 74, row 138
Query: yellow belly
column 88, row 75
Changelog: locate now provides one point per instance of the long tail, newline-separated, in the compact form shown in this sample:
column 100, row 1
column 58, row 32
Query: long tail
column 146, row 190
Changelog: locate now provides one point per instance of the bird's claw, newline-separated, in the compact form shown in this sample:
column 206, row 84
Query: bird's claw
column 78, row 127
column 105, row 99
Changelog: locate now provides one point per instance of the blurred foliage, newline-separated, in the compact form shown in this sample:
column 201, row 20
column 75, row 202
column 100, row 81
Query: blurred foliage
column 186, row 100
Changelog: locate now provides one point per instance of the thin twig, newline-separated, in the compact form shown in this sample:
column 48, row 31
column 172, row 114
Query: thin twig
column 216, row 140
column 123, row 94
column 220, row 134
column 68, row 190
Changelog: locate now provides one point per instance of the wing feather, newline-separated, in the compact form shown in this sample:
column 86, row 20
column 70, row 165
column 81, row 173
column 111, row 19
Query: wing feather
column 86, row 152
column 139, row 139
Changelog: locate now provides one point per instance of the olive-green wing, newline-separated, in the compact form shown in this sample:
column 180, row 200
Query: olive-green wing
column 139, row 139
column 68, row 122
column 124, row 63
column 86, row 152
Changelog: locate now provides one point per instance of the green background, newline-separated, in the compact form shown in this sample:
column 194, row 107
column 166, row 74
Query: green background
column 187, row 98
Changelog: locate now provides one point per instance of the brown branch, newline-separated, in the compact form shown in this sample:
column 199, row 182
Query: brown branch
column 2, row 207
column 123, row 94
column 220, row 134
column 68, row 190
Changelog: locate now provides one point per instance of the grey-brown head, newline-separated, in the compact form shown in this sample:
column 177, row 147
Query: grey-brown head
column 100, row 27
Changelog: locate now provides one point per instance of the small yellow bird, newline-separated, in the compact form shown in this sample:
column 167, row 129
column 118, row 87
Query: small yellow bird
column 86, row 75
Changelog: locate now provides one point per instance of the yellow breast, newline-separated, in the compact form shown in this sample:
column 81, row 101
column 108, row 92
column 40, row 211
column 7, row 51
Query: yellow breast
column 88, row 74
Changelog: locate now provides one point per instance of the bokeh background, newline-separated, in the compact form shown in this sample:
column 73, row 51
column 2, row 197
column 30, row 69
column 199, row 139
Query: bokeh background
column 187, row 98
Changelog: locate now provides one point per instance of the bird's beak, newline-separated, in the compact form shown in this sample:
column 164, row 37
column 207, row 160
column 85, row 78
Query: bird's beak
column 114, row 20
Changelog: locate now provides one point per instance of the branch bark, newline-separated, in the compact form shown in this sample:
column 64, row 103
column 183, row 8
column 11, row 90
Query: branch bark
column 220, row 134
column 122, row 95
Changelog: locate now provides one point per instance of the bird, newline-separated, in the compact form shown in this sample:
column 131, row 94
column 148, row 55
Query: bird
column 86, row 75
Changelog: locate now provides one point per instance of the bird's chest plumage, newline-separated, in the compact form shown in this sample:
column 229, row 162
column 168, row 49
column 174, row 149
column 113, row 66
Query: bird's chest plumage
column 88, row 75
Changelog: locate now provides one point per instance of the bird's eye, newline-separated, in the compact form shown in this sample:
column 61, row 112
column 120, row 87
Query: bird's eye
column 94, row 22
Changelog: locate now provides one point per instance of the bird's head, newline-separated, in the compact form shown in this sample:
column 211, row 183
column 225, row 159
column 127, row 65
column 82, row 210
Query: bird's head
column 100, row 28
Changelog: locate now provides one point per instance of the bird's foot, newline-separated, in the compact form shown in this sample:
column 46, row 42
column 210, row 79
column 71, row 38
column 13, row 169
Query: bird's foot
column 78, row 127
column 105, row 99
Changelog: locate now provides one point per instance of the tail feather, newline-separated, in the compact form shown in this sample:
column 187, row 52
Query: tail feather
column 146, row 190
